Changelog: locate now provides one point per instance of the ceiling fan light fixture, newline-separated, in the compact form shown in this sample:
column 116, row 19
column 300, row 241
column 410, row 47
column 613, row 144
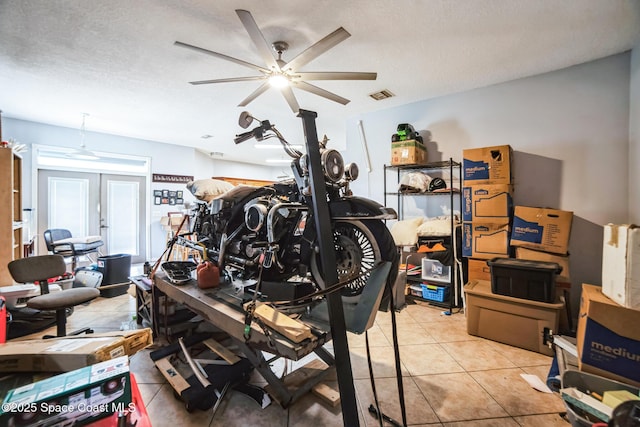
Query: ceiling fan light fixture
column 278, row 81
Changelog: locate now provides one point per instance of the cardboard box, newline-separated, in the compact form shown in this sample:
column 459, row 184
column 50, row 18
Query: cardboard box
column 73, row 398
column 485, row 241
column 541, row 229
column 409, row 152
column 487, row 165
column 514, row 321
column 608, row 337
column 478, row 269
column 71, row 352
column 487, row 203
column 562, row 260
column 621, row 264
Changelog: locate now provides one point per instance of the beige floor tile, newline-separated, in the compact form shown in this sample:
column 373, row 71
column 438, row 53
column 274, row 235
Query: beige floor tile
column 427, row 359
column 148, row 392
column 144, row 369
column 450, row 329
column 408, row 334
column 493, row 422
column 541, row 372
column 424, row 313
column 377, row 338
column 457, row 397
column 547, row 420
column 476, row 355
column 402, row 317
column 237, row 409
column 519, row 356
column 383, row 361
column 417, row 407
column 515, row 395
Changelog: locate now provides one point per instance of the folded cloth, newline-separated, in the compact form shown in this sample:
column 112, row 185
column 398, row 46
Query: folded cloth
column 78, row 240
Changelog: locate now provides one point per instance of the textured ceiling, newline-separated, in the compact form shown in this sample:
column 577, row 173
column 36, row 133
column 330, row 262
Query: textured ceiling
column 116, row 59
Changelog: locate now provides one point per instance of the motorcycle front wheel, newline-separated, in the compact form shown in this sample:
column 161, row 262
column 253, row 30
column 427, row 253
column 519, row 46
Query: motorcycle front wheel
column 359, row 246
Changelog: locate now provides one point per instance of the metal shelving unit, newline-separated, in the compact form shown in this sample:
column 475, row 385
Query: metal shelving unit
column 453, row 196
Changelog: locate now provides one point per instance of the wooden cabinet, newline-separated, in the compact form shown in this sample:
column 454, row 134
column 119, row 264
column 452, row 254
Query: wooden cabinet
column 11, row 232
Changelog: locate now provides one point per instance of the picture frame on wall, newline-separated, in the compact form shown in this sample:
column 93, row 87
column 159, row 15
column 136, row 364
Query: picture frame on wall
column 165, row 193
column 157, row 200
column 157, row 193
column 179, row 201
column 172, row 200
column 179, row 194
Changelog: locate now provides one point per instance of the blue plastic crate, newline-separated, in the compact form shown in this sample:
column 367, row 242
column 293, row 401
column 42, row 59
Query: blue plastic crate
column 435, row 292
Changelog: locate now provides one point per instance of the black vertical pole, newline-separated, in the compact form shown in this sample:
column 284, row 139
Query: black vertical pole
column 329, row 273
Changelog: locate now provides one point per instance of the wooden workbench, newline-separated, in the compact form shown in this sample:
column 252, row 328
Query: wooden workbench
column 226, row 314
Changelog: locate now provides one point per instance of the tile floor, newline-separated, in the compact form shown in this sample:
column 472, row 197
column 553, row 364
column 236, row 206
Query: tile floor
column 450, row 378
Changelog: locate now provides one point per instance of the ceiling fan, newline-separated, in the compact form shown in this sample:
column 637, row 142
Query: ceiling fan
column 281, row 74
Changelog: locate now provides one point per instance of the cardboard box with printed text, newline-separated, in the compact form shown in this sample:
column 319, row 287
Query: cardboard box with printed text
column 542, row 229
column 487, row 165
column 608, row 337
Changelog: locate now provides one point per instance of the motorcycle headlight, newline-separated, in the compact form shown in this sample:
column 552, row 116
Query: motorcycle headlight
column 351, row 171
column 333, row 165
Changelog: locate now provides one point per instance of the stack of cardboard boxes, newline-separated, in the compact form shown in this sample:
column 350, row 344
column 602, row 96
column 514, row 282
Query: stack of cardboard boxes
column 487, row 199
column 512, row 313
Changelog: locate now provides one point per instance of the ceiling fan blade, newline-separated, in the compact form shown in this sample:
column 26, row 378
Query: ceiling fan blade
column 264, row 49
column 229, row 80
column 318, row 49
column 291, row 99
column 321, row 92
column 334, row 76
column 256, row 93
column 222, row 56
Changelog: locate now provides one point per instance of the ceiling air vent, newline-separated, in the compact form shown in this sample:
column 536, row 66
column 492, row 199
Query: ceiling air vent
column 383, row 94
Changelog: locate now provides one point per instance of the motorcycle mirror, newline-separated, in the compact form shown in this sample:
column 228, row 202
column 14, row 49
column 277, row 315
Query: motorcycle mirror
column 245, row 119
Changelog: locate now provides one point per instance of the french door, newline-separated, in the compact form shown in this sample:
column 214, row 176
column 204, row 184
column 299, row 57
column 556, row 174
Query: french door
column 88, row 204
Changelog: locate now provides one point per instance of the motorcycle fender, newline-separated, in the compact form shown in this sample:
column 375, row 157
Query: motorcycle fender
column 360, row 208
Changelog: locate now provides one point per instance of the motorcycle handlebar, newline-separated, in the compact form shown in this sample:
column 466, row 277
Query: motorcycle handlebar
column 243, row 137
column 257, row 133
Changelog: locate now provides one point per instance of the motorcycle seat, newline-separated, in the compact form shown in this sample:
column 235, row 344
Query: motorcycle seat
column 237, row 192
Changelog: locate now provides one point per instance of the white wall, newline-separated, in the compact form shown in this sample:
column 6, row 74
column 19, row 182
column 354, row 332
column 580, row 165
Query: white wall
column 634, row 138
column 569, row 130
column 165, row 158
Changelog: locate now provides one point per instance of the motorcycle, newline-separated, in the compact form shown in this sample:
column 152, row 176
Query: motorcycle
column 269, row 234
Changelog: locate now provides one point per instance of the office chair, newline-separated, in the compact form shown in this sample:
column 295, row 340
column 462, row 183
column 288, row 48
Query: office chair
column 40, row 269
column 60, row 242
